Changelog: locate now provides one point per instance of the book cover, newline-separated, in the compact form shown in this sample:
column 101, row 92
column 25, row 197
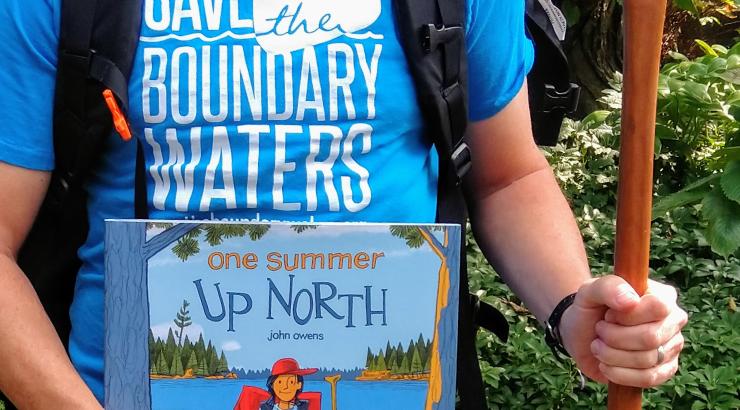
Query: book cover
column 218, row 315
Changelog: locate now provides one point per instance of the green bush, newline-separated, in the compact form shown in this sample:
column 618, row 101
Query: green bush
column 698, row 133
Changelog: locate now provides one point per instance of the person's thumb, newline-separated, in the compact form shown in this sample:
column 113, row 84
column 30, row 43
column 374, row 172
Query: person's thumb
column 607, row 291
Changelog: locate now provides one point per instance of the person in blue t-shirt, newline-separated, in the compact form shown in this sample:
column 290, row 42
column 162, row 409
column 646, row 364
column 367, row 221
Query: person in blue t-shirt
column 243, row 118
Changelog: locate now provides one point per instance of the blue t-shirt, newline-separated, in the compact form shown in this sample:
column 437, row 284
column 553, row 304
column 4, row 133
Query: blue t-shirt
column 253, row 110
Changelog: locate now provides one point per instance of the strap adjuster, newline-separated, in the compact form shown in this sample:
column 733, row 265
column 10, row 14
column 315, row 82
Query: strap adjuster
column 565, row 101
column 461, row 160
column 435, row 36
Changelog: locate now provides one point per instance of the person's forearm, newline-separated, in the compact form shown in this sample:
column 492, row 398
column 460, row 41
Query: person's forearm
column 36, row 372
column 527, row 232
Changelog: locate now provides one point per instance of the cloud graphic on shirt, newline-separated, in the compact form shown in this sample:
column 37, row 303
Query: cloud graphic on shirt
column 288, row 25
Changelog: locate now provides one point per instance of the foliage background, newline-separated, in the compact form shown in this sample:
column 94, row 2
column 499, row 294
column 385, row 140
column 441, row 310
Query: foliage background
column 695, row 241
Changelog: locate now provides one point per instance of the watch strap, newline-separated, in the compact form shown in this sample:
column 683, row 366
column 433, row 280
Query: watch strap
column 552, row 326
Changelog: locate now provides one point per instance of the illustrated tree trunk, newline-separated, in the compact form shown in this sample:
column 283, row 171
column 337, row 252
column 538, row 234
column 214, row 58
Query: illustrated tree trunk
column 127, row 311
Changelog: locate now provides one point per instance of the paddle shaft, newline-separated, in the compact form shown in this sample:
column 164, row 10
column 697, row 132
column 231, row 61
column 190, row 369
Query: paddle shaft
column 333, row 382
column 643, row 28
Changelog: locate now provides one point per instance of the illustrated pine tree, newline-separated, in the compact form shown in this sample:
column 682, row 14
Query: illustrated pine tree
column 182, row 320
column 410, row 351
column 400, row 353
column 416, row 365
column 223, row 365
column 187, row 347
column 192, row 362
column 200, row 349
column 169, row 348
column 405, row 367
column 421, row 346
column 152, row 348
column 392, row 362
column 209, row 357
column 153, row 366
column 176, row 369
column 380, row 363
column 388, row 352
column 162, row 367
column 370, row 361
column 212, row 362
column 395, row 369
column 202, row 369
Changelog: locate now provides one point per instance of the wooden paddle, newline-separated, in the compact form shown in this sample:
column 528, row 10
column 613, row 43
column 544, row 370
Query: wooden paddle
column 643, row 28
column 333, row 380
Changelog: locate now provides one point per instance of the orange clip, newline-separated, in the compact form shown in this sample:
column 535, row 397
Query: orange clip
column 119, row 120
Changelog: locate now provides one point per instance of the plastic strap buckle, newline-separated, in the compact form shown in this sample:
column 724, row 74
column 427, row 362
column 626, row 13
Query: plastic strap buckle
column 566, row 101
column 461, row 160
column 435, row 36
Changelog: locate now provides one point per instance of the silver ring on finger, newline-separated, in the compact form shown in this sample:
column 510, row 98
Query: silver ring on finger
column 661, row 355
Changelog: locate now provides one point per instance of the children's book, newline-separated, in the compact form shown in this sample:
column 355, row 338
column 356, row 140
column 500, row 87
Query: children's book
column 218, row 315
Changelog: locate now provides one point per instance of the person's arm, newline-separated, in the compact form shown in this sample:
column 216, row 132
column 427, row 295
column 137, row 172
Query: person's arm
column 527, row 231
column 36, row 371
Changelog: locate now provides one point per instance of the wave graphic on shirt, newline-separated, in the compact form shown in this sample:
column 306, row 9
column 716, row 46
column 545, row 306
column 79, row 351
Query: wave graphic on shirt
column 196, row 36
column 245, row 36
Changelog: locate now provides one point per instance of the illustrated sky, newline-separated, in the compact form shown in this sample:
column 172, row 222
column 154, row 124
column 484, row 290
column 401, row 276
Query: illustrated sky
column 409, row 275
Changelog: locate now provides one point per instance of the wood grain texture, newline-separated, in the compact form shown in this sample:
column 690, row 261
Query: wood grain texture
column 643, row 27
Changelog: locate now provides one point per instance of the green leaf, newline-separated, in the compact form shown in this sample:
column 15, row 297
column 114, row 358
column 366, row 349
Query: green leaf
column 596, row 117
column 735, row 50
column 723, row 216
column 664, row 132
column 717, row 64
column 733, row 60
column 730, row 181
column 679, row 199
column 697, row 90
column 677, row 56
column 706, row 48
column 572, row 12
column 719, row 48
column 702, row 182
column 731, row 76
column 687, row 5
column 725, row 155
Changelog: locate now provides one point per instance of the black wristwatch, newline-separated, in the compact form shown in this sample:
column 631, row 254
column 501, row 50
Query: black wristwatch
column 552, row 327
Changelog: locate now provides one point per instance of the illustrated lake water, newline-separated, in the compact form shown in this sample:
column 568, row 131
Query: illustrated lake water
column 218, row 394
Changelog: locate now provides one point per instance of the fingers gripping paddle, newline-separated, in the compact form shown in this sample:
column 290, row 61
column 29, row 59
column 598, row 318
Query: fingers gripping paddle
column 643, row 34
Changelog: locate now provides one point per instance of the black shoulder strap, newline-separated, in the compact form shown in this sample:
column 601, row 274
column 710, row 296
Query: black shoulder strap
column 551, row 94
column 97, row 42
column 432, row 33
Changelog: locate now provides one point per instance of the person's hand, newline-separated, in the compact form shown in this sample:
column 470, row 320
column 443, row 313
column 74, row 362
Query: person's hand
column 615, row 335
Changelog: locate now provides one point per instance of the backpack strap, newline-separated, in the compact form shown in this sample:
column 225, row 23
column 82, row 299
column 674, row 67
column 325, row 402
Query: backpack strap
column 432, row 33
column 551, row 94
column 97, row 42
